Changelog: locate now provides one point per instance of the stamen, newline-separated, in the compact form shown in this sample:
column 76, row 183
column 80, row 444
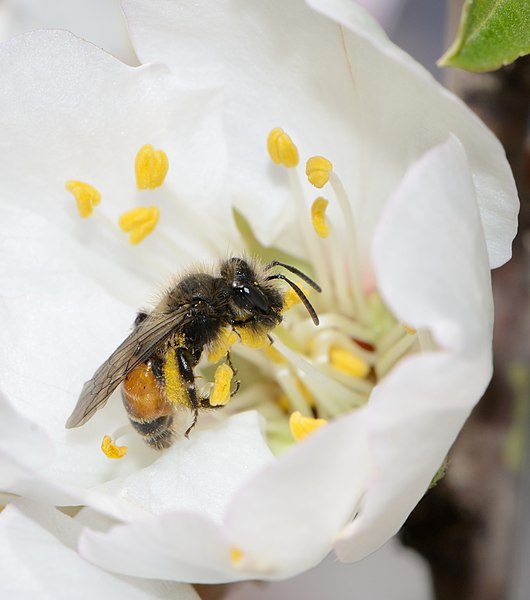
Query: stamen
column 281, row 148
column 318, row 170
column 174, row 387
column 301, row 426
column 318, row 216
column 291, row 298
column 348, row 363
column 151, row 167
column 110, row 449
column 85, row 195
column 220, row 394
column 236, row 556
column 222, row 345
column 139, row 222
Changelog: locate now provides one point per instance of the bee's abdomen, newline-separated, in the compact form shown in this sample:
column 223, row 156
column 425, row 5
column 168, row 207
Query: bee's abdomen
column 157, row 433
column 149, row 412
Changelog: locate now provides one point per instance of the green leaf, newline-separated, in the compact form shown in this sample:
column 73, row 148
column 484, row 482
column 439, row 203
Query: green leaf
column 492, row 33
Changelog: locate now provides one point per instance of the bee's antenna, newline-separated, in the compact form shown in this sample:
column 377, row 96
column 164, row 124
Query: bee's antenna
column 312, row 312
column 303, row 276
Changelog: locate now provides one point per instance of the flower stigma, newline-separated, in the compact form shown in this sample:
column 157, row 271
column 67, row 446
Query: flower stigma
column 86, row 196
column 111, row 450
column 139, row 222
column 151, row 167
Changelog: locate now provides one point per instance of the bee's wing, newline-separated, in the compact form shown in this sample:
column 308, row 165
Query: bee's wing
column 135, row 349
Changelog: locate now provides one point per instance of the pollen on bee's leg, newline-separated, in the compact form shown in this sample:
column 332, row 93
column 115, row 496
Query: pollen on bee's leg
column 253, row 339
column 151, row 167
column 222, row 345
column 110, row 450
column 86, row 196
column 318, row 217
column 348, row 363
column 301, row 426
column 139, row 222
column 220, row 394
column 281, row 148
column 318, row 170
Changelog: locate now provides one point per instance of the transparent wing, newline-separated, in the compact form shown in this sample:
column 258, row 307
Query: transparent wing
column 135, row 349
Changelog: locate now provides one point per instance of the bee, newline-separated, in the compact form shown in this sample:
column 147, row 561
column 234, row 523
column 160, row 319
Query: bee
column 156, row 362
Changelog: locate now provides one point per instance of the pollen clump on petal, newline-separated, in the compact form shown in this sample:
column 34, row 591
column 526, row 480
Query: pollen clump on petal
column 301, row 426
column 348, row 363
column 110, row 450
column 281, row 148
column 220, row 394
column 318, row 217
column 139, row 222
column 318, row 170
column 86, row 196
column 151, row 167
column 236, row 555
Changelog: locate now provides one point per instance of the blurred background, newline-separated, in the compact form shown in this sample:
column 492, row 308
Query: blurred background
column 471, row 534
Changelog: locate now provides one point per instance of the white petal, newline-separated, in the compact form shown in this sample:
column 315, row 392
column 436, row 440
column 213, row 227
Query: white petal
column 414, row 417
column 432, row 267
column 344, row 92
column 98, row 21
column 277, row 519
column 71, row 111
column 38, row 560
column 430, row 256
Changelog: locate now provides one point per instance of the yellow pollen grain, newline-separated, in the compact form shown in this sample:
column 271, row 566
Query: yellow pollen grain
column 348, row 363
column 318, row 170
column 85, row 195
column 281, row 148
column 151, row 167
column 275, row 355
column 110, row 450
column 301, row 426
column 220, row 394
column 253, row 339
column 318, row 217
column 175, row 388
column 410, row 330
column 236, row 555
column 222, row 345
column 139, row 222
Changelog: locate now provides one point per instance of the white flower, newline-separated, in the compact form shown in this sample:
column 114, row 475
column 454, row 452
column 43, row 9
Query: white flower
column 422, row 203
column 38, row 559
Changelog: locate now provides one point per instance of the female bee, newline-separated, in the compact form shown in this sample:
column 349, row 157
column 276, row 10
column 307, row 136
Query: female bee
column 156, row 361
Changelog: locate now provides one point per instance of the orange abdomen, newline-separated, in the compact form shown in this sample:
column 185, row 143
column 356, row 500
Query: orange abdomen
column 149, row 412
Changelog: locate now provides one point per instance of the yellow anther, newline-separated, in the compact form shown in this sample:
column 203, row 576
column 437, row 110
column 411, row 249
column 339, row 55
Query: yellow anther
column 317, row 170
column 318, row 216
column 220, row 394
column 275, row 355
column 236, row 555
column 301, row 426
column 151, row 167
column 291, row 298
column 348, row 363
column 281, row 148
column 139, row 222
column 283, row 402
column 253, row 339
column 175, row 388
column 222, row 345
column 85, row 195
column 410, row 330
column 110, row 450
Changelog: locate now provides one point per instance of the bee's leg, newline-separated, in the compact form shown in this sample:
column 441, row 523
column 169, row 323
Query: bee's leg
column 185, row 364
column 237, row 383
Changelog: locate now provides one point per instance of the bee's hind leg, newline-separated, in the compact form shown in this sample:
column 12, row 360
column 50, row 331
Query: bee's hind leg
column 185, row 364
